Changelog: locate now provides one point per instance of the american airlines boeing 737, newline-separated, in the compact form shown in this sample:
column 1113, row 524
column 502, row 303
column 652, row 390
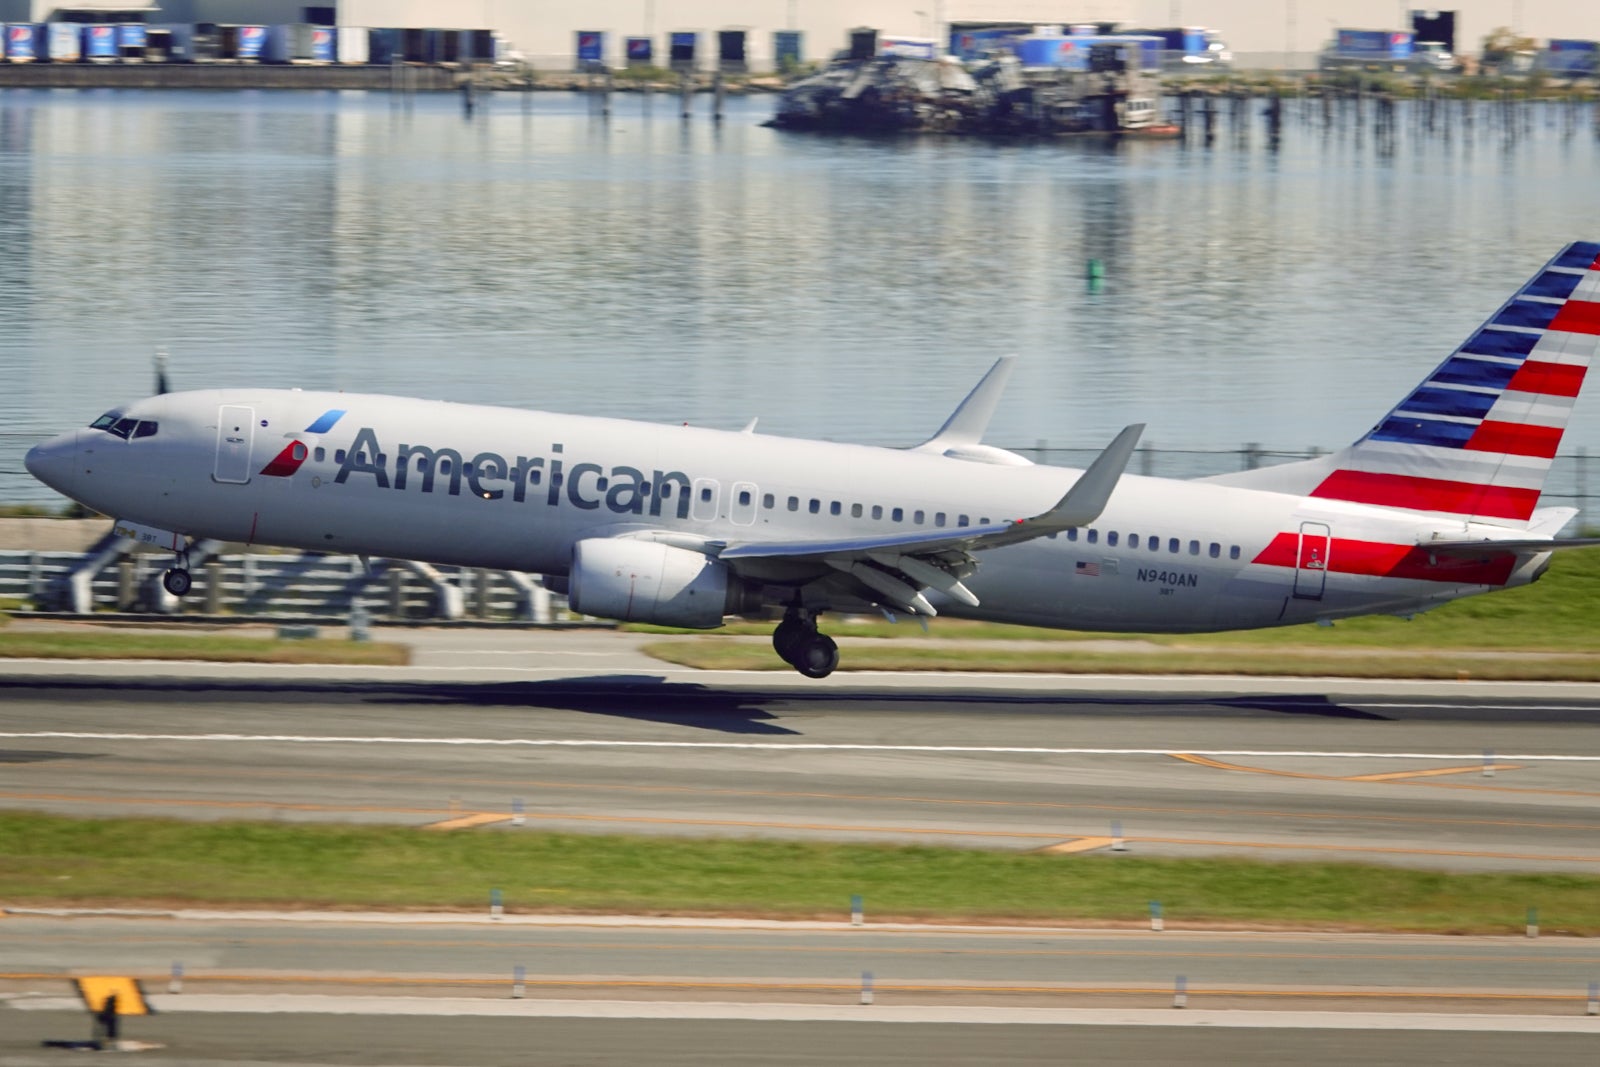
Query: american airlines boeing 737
column 686, row 526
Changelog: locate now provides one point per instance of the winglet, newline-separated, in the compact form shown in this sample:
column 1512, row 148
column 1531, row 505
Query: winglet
column 966, row 424
column 1089, row 495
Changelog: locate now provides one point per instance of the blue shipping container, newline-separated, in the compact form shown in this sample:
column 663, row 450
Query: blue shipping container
column 1572, row 57
column 1049, row 51
column 1391, row 44
column 100, row 43
column 640, row 50
column 22, row 42
column 909, row 47
column 322, row 45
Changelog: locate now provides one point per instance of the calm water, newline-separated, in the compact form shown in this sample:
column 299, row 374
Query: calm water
column 852, row 289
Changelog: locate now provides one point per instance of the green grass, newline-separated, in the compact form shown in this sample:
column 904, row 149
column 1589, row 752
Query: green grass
column 55, row 860
column 1554, row 617
column 99, row 644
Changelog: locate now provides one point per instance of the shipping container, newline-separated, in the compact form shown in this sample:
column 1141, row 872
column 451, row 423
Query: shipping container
column 731, row 57
column 640, row 51
column 131, row 41
column 1368, row 48
column 63, row 41
column 21, row 42
column 100, row 44
column 1571, row 57
column 289, row 43
column 354, row 45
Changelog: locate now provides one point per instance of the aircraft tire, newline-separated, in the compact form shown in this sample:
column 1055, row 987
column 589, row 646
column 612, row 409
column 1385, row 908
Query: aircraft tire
column 787, row 638
column 177, row 582
column 817, row 657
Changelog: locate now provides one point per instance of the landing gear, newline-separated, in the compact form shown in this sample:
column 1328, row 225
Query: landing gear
column 177, row 580
column 798, row 644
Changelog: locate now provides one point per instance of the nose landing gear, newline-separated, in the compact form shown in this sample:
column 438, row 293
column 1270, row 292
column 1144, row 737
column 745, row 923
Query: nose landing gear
column 798, row 644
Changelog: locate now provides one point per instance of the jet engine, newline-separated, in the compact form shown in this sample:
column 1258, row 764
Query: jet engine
column 643, row 581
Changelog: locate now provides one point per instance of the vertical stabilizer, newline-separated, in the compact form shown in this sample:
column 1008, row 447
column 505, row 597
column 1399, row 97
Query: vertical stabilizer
column 1476, row 439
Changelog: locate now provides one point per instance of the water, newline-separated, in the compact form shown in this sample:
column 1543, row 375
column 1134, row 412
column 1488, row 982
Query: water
column 640, row 266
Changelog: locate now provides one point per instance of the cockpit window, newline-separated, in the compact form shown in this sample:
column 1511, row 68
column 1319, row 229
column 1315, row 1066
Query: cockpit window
column 123, row 428
column 146, row 428
column 106, row 421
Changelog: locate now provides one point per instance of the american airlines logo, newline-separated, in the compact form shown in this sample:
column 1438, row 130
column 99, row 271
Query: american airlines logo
column 621, row 489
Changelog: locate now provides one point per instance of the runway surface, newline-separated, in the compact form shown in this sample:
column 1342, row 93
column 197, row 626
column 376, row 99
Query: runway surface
column 583, row 734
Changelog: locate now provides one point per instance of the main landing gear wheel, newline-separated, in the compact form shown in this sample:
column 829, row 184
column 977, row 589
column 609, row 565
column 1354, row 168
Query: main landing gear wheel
column 177, row 582
column 798, row 644
column 817, row 656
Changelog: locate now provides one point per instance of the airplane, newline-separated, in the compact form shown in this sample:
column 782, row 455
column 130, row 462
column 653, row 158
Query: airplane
column 686, row 526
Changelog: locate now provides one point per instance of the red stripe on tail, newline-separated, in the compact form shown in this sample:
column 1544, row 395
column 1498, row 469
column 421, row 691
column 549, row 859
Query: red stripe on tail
column 1577, row 316
column 1515, row 438
column 1428, row 494
column 1552, row 379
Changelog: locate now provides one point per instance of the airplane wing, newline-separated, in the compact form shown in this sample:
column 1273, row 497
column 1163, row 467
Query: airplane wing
column 897, row 567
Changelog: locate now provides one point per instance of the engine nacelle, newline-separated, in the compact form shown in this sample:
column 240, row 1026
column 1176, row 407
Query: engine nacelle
column 643, row 581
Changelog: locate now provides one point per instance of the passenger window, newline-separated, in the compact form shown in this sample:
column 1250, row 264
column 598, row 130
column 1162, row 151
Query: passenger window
column 1094, row 536
column 744, row 495
column 1172, row 545
column 815, row 507
column 938, row 518
column 1194, row 548
column 320, row 454
column 535, row 476
column 1072, row 534
column 1216, row 550
column 983, row 521
column 961, row 520
column 1133, row 540
column 1233, row 551
column 794, row 503
column 877, row 511
column 338, row 457
column 768, row 501
column 603, row 483
column 1111, row 538
column 705, row 494
column 835, row 508
column 1155, row 543
column 855, row 511
column 898, row 514
column 917, row 518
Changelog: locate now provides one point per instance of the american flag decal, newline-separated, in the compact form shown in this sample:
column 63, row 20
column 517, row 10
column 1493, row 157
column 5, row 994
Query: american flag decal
column 1088, row 570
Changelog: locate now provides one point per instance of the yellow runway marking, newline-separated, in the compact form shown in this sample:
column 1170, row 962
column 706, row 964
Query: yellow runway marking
column 1081, row 844
column 483, row 818
column 1395, row 776
column 1390, row 776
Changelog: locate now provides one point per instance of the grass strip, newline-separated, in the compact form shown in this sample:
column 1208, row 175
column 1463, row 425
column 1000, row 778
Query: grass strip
column 58, row 860
column 98, row 644
column 712, row 653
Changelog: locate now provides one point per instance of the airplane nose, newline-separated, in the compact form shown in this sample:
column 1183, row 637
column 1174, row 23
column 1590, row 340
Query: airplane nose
column 52, row 462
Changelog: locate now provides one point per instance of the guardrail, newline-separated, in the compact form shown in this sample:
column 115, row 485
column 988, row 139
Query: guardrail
column 274, row 586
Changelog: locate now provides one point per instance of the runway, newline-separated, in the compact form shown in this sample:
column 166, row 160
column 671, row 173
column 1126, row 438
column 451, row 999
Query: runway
column 578, row 733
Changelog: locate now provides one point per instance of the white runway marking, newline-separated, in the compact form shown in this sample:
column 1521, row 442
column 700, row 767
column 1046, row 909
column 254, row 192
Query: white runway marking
column 802, row 746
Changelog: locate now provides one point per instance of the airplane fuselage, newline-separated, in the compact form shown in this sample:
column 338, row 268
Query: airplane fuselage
column 516, row 490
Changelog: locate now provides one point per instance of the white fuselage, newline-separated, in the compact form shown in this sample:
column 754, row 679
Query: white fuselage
column 515, row 490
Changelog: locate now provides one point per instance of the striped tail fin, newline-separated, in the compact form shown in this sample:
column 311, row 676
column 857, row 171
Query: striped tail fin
column 1477, row 438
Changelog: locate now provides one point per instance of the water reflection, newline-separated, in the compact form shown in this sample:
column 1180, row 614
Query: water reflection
column 648, row 266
